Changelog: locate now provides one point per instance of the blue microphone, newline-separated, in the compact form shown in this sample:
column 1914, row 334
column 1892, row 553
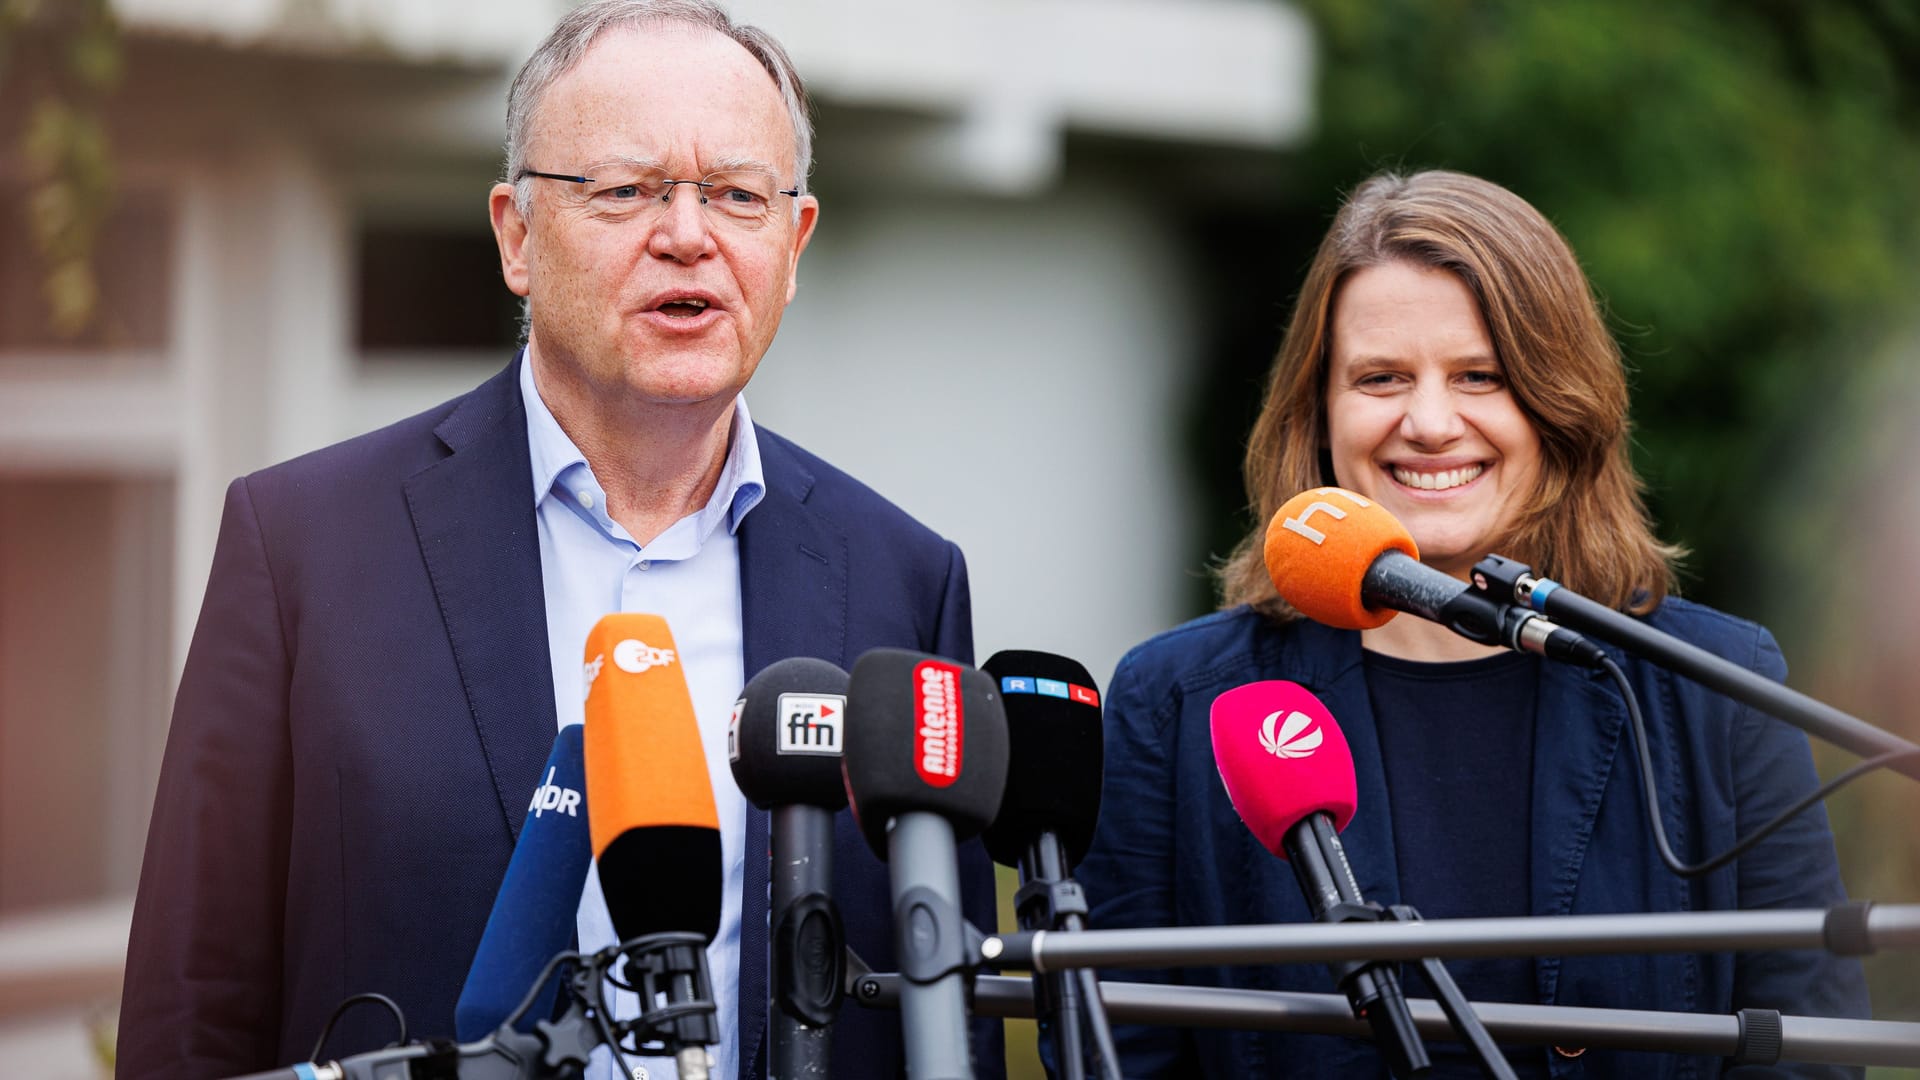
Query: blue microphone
column 534, row 911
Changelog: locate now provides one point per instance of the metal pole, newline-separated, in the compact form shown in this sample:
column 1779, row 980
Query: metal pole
column 1886, row 926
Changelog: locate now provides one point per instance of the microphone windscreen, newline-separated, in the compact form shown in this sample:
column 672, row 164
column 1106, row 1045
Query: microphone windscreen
column 1281, row 757
column 1054, row 739
column 923, row 734
column 534, row 912
column 787, row 734
column 656, row 834
column 1319, row 548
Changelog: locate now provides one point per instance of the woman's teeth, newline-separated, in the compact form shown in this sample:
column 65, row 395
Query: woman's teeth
column 1437, row 481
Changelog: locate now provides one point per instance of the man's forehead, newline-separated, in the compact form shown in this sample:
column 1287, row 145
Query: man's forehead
column 639, row 89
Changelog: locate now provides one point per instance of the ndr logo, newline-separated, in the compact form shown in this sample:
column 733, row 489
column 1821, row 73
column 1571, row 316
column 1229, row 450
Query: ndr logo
column 637, row 656
column 550, row 796
column 1293, row 740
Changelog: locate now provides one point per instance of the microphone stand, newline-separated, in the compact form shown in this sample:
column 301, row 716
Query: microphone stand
column 1856, row 928
column 1499, row 576
column 1320, row 864
column 1051, row 900
column 1749, row 1037
column 560, row 1049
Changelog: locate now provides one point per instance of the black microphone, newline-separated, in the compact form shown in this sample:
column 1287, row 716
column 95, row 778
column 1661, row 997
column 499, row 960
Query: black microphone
column 1046, row 822
column 925, row 766
column 1342, row 560
column 785, row 743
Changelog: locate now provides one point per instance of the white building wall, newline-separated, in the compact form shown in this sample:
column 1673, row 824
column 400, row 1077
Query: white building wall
column 1010, row 372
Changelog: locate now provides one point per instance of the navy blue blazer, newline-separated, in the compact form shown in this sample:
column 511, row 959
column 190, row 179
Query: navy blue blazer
column 368, row 700
column 1171, row 852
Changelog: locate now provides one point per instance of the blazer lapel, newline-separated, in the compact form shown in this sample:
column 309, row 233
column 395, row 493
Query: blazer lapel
column 793, row 602
column 473, row 514
column 1331, row 667
column 1576, row 738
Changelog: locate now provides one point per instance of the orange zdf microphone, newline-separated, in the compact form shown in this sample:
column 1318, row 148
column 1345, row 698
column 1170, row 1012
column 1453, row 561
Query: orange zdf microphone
column 656, row 834
column 1341, row 559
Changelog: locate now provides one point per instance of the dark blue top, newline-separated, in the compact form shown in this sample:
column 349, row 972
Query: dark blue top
column 1169, row 850
column 1463, row 842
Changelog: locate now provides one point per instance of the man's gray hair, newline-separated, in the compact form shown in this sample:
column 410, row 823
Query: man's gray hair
column 582, row 26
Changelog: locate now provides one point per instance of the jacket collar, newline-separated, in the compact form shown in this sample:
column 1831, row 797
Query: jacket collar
column 477, row 537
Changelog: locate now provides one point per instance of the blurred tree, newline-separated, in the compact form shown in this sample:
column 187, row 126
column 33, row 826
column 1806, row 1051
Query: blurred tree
column 63, row 59
column 1739, row 180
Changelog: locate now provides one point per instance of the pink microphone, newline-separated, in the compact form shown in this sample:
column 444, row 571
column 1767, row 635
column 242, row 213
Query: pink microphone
column 1290, row 776
column 1282, row 758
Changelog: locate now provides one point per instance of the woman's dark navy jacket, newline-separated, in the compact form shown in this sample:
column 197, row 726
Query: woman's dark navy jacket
column 1170, row 851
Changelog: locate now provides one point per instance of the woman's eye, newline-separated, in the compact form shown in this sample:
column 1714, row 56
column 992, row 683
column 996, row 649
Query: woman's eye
column 1483, row 379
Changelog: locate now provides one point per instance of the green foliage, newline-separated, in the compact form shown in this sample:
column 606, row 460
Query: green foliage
column 1737, row 178
column 75, row 60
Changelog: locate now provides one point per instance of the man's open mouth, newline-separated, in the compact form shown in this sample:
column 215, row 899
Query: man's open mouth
column 682, row 309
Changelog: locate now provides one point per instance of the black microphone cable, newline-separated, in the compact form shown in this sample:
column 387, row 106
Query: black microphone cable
column 1650, row 788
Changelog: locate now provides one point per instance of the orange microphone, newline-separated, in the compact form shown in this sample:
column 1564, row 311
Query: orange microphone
column 652, row 812
column 1321, row 547
column 1342, row 560
column 655, row 832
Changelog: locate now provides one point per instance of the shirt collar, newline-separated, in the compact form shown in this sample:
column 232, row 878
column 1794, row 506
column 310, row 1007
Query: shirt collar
column 740, row 488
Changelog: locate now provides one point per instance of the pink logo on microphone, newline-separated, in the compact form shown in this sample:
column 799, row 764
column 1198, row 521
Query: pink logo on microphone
column 939, row 722
column 1292, row 740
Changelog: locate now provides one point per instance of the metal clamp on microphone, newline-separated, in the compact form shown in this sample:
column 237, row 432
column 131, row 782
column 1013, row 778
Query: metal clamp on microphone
column 1505, row 577
column 670, row 969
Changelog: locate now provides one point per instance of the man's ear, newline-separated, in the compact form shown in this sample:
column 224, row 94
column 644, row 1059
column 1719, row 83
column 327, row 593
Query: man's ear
column 510, row 233
column 802, row 233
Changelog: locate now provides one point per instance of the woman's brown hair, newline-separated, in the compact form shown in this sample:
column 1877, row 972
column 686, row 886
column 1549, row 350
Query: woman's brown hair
column 1584, row 524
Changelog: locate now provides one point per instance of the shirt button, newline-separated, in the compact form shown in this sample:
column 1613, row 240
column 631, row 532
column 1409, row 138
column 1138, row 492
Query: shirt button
column 644, row 564
column 586, row 499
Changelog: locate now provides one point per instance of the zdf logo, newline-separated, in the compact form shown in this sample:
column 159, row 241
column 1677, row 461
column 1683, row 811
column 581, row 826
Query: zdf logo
column 1292, row 740
column 636, row 656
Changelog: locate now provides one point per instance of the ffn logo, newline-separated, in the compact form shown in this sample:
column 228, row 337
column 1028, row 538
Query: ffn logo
column 1299, row 525
column 1293, row 740
column 810, row 723
column 636, row 656
column 550, row 796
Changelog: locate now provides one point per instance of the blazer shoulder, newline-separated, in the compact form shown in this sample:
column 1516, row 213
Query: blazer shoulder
column 1740, row 640
column 1222, row 648
column 833, row 492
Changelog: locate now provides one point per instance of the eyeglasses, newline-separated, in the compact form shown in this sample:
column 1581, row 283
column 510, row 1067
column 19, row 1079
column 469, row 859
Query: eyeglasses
column 739, row 198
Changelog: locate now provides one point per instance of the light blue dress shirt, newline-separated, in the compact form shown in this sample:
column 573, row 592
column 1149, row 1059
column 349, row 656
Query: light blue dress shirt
column 590, row 566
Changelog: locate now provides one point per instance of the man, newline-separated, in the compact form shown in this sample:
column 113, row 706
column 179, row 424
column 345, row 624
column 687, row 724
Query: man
column 393, row 628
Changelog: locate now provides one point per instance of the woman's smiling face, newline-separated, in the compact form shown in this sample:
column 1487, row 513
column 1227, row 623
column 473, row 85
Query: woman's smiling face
column 1419, row 415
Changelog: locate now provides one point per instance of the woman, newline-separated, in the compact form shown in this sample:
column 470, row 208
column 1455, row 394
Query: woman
column 1446, row 359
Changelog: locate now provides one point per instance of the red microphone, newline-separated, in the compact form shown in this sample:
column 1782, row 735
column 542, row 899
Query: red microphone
column 1289, row 774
